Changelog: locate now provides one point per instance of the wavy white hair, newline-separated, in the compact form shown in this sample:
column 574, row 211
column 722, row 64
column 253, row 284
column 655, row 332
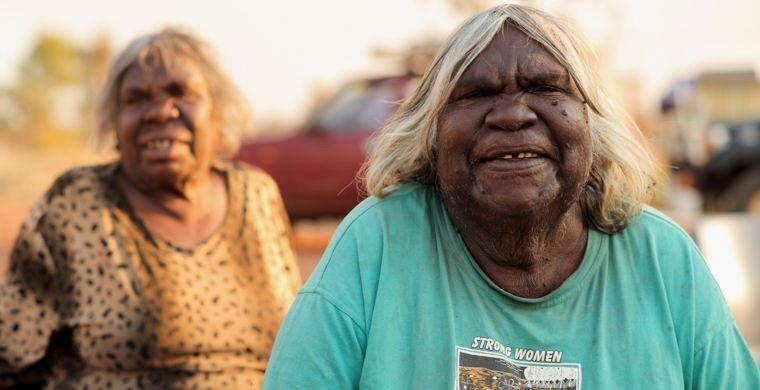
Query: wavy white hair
column 622, row 169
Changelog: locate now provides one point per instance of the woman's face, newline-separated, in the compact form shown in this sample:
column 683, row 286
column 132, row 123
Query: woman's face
column 513, row 137
column 165, row 128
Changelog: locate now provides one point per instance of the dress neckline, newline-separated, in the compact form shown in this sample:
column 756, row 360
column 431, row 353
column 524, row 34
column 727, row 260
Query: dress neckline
column 209, row 244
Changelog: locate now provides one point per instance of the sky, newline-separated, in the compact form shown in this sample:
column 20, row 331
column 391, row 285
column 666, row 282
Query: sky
column 279, row 51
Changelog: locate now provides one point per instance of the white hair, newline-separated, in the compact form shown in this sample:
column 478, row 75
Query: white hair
column 622, row 169
column 230, row 107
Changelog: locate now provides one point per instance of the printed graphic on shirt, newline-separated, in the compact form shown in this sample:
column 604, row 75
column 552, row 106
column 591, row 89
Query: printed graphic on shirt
column 479, row 369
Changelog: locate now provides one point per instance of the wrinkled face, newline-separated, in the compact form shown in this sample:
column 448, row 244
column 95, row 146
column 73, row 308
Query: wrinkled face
column 514, row 134
column 165, row 128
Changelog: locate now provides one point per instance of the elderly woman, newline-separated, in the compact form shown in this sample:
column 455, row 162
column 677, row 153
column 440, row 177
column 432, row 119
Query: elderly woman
column 168, row 268
column 506, row 245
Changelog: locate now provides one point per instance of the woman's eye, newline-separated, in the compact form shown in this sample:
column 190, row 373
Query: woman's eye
column 545, row 88
column 176, row 90
column 135, row 98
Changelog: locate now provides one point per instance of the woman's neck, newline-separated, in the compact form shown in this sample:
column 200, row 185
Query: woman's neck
column 529, row 256
column 185, row 214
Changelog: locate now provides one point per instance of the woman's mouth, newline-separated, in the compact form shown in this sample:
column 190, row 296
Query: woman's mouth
column 520, row 156
column 162, row 149
column 159, row 144
column 514, row 162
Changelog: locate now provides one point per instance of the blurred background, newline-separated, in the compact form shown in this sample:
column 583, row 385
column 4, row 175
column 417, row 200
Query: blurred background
column 322, row 76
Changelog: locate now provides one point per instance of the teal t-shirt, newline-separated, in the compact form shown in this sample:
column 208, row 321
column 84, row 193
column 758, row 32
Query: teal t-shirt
column 397, row 302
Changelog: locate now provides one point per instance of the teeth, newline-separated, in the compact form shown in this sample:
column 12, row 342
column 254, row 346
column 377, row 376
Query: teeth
column 159, row 144
column 520, row 155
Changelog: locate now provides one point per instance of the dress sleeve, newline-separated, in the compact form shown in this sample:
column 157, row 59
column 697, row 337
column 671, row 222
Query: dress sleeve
column 725, row 362
column 28, row 300
column 276, row 238
column 283, row 236
column 318, row 347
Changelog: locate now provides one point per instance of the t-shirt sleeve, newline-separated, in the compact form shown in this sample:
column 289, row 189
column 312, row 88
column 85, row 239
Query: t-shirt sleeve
column 725, row 362
column 322, row 342
column 28, row 309
column 715, row 356
column 318, row 347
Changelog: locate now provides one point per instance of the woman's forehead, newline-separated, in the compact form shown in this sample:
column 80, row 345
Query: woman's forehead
column 174, row 68
column 512, row 52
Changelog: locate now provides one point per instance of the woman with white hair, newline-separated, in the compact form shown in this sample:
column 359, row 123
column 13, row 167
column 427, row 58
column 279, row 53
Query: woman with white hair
column 507, row 239
column 167, row 268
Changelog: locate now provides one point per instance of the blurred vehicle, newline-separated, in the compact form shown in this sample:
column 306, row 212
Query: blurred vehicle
column 730, row 179
column 317, row 167
column 712, row 134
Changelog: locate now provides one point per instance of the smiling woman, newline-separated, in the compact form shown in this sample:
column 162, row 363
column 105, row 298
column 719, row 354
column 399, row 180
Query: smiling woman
column 514, row 144
column 169, row 268
column 508, row 206
column 166, row 136
column 175, row 93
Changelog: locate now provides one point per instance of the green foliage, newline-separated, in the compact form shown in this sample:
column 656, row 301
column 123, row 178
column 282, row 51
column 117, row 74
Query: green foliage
column 54, row 94
column 53, row 61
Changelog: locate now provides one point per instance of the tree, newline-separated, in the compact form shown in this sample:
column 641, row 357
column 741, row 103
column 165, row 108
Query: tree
column 55, row 89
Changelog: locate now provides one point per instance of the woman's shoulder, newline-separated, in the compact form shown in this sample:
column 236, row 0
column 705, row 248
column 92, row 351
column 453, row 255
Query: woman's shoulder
column 374, row 239
column 249, row 174
column 666, row 254
column 654, row 242
column 652, row 232
column 79, row 180
column 652, row 222
column 75, row 187
column 72, row 199
column 407, row 214
column 409, row 202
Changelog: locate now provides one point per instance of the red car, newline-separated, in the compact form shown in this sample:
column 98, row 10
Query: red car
column 317, row 168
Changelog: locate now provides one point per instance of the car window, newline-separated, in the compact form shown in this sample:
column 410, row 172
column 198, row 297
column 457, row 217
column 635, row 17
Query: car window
column 359, row 106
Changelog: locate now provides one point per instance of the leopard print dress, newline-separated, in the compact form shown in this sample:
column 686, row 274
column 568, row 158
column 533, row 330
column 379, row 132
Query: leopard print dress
column 98, row 301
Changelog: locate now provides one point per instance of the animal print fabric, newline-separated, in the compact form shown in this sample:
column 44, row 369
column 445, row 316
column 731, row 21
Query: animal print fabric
column 125, row 308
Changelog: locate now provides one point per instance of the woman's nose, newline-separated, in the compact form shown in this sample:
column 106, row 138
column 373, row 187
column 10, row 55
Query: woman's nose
column 510, row 113
column 161, row 109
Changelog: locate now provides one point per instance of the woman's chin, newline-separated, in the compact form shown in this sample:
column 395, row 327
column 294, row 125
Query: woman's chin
column 515, row 204
column 166, row 174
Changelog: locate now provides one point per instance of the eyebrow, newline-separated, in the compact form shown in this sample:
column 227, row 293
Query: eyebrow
column 191, row 83
column 131, row 91
column 478, row 80
column 546, row 77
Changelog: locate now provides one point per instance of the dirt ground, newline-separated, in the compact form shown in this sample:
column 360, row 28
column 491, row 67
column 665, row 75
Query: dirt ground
column 26, row 173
